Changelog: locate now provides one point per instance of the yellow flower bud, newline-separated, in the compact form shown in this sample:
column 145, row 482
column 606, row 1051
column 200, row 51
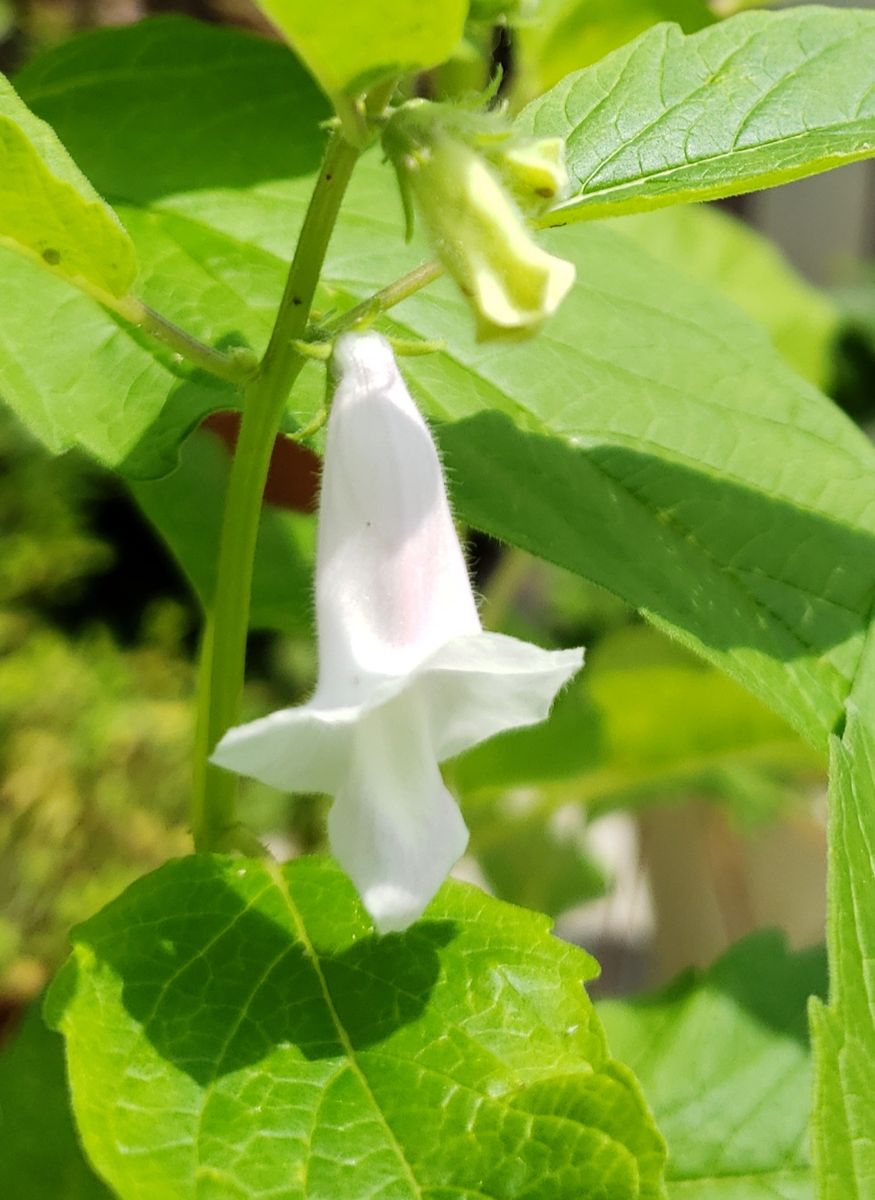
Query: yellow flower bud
column 512, row 284
column 535, row 172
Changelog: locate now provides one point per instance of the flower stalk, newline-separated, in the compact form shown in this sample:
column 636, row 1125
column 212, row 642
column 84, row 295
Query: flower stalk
column 223, row 648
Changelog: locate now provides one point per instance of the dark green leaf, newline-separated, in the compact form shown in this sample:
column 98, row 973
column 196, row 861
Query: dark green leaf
column 40, row 1154
column 186, row 506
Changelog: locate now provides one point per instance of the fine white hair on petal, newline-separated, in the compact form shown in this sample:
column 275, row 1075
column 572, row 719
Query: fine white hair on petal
column 392, row 584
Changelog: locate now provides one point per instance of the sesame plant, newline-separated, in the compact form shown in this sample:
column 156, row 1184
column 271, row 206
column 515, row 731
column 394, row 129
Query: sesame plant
column 365, row 238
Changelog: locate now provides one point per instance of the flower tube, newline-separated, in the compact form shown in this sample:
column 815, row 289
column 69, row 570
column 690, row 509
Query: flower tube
column 407, row 675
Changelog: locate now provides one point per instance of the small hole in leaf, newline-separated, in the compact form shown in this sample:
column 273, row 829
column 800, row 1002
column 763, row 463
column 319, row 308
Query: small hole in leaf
column 52, row 256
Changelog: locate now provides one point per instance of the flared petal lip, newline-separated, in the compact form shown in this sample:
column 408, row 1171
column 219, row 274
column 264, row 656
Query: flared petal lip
column 479, row 652
column 485, row 653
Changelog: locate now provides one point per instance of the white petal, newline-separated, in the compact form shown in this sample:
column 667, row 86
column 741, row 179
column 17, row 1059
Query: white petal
column 295, row 750
column 476, row 687
column 394, row 827
column 391, row 581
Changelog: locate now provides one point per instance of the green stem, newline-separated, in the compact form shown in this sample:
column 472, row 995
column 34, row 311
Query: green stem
column 386, row 298
column 237, row 365
column 223, row 649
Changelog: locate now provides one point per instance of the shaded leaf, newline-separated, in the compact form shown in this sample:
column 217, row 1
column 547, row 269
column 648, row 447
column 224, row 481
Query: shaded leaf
column 41, row 1155
column 186, row 506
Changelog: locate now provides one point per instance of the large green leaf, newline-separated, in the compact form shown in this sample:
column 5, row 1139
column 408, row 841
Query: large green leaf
column 236, row 1029
column 724, row 1061
column 73, row 374
column 667, row 451
column 41, row 1156
column 757, row 100
column 844, row 1033
column 50, row 212
column 712, row 246
column 373, row 40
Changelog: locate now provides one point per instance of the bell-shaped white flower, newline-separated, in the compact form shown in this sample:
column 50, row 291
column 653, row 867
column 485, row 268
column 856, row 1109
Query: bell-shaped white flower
column 407, row 676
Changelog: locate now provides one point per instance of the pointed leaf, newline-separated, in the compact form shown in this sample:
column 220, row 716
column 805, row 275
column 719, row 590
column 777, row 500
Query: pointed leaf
column 236, row 1029
column 50, row 212
column 759, row 99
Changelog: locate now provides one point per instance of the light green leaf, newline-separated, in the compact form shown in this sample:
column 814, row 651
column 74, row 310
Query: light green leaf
column 723, row 1058
column 660, row 435
column 561, row 36
column 757, row 100
column 41, row 1156
column 50, row 212
column 236, row 1029
column 106, row 387
column 843, row 1128
column 719, row 250
column 186, row 506
column 374, row 39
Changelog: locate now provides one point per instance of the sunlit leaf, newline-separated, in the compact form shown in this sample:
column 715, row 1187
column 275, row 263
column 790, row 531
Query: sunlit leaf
column 50, row 212
column 723, row 1058
column 373, row 40
column 843, row 1127
column 237, row 1029
column 754, row 101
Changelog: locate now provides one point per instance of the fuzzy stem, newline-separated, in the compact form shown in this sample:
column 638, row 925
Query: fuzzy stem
column 224, row 642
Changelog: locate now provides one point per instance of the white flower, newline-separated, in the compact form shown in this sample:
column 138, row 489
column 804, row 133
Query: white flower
column 407, row 676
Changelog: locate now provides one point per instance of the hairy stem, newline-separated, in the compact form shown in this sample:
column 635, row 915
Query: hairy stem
column 224, row 642
column 385, row 299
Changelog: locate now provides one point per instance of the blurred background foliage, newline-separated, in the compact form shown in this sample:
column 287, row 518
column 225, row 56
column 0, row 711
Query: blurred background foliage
column 660, row 814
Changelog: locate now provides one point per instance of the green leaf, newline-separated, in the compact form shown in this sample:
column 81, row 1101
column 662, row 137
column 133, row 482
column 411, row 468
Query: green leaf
column 236, row 1029
column 723, row 1058
column 50, row 212
column 757, row 100
column 107, row 387
column 661, row 437
column 375, row 40
column 41, row 1156
column 844, row 1033
column 186, row 507
column 719, row 250
column 565, row 35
